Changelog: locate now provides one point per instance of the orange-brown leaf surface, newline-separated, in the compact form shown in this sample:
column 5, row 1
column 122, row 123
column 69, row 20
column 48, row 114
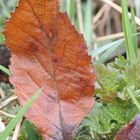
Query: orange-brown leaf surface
column 48, row 52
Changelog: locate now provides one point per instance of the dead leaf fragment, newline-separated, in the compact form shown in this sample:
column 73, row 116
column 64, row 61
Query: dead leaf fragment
column 47, row 51
column 131, row 131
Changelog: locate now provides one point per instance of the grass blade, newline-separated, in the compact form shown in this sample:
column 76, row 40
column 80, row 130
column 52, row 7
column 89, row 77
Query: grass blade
column 20, row 114
column 103, row 48
column 5, row 9
column 2, row 39
column 88, row 24
column 134, row 31
column 108, row 53
column 29, row 131
column 131, row 54
column 5, row 70
column 70, row 7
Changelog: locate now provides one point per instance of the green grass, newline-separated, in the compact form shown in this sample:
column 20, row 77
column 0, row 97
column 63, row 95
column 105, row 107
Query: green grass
column 5, row 70
column 5, row 9
column 129, row 29
column 88, row 25
column 106, row 50
column 31, row 134
column 12, row 124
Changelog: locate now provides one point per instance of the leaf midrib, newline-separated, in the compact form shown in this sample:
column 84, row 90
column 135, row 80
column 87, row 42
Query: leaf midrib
column 53, row 76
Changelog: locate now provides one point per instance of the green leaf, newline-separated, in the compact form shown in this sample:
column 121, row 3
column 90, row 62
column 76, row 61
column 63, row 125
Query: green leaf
column 29, row 132
column 106, row 78
column 100, row 121
column 132, row 95
column 20, row 114
column 120, row 63
column 105, row 95
column 96, row 125
column 117, row 100
column 131, row 75
column 122, row 111
column 106, row 120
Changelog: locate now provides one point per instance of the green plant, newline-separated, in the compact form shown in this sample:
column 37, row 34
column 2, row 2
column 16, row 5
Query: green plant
column 117, row 100
column 118, row 94
column 4, row 15
column 29, row 132
column 5, row 70
column 129, row 29
column 11, row 125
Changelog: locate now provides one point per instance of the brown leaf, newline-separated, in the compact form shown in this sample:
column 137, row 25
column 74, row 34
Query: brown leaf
column 131, row 131
column 47, row 51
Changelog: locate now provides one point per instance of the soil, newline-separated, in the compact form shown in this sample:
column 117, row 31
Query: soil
column 4, row 61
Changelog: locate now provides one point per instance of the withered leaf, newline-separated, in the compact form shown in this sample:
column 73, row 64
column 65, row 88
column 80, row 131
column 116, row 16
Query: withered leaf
column 47, row 51
column 131, row 131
